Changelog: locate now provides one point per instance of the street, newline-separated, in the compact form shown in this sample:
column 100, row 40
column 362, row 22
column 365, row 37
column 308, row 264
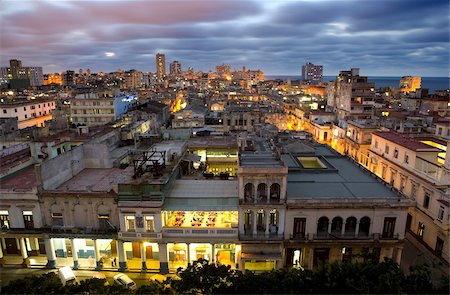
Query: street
column 9, row 274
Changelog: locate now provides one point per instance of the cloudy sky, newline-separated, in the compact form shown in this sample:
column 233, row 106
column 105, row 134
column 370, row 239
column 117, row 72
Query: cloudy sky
column 382, row 37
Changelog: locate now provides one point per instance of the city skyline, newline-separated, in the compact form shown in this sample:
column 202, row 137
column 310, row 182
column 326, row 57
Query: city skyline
column 383, row 38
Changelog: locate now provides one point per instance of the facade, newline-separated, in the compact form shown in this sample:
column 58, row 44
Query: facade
column 16, row 72
column 28, row 112
column 312, row 73
column 414, row 168
column 410, row 83
column 55, row 78
column 336, row 210
column 160, row 65
column 175, row 68
column 351, row 96
column 90, row 109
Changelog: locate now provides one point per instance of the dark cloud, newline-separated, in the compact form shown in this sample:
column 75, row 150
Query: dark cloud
column 384, row 36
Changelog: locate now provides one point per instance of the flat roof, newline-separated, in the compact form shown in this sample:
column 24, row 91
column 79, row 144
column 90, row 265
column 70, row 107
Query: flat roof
column 24, row 179
column 347, row 181
column 404, row 141
column 202, row 195
column 98, row 180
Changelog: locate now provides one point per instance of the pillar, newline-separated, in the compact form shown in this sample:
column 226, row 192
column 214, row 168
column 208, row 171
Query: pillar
column 163, row 261
column 74, row 254
column 241, row 221
column 268, row 193
column 24, row 252
column 343, row 228
column 143, row 256
column 255, row 214
column 398, row 258
column 122, row 256
column 34, row 243
column 50, row 251
column 281, row 222
column 188, row 255
column 267, row 219
column 98, row 258
column 2, row 260
column 357, row 229
column 3, row 243
column 213, row 254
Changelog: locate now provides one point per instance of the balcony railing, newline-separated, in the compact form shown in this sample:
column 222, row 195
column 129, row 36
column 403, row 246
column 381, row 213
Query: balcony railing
column 261, row 237
column 61, row 230
column 199, row 232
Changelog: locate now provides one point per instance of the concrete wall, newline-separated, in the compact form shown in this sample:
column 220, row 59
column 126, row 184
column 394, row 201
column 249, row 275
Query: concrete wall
column 58, row 170
column 96, row 156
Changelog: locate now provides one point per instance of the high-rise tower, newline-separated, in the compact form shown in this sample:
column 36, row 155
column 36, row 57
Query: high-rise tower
column 160, row 65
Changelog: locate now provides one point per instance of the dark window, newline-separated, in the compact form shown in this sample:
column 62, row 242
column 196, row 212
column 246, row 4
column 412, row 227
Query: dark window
column 389, row 227
column 439, row 246
column 57, row 219
column 421, row 230
column 322, row 226
column 426, row 200
column 103, row 221
column 299, row 227
column 28, row 219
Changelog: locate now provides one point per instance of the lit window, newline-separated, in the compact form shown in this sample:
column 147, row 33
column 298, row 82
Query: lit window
column 421, row 230
column 130, row 223
column 4, row 219
column 149, row 223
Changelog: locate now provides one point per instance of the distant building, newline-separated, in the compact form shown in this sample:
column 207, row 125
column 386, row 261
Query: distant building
column 160, row 65
column 223, row 71
column 410, row 83
column 90, row 109
column 55, row 78
column 21, row 77
column 68, row 78
column 351, row 96
column 312, row 73
column 28, row 112
column 175, row 68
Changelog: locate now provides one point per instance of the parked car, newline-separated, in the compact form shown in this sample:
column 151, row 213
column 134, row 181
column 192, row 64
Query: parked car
column 67, row 276
column 124, row 280
column 100, row 276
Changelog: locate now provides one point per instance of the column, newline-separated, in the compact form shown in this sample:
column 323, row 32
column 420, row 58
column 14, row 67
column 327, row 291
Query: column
column 255, row 214
column 343, row 228
column 241, row 221
column 74, row 254
column 98, row 258
column 329, row 226
column 281, row 221
column 267, row 217
column 34, row 243
column 50, row 251
column 213, row 254
column 3, row 243
column 398, row 259
column 163, row 264
column 2, row 260
column 357, row 229
column 143, row 256
column 23, row 251
column 188, row 254
column 122, row 256
column 268, row 193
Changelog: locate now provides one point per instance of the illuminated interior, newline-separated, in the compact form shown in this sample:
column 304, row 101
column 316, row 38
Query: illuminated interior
column 311, row 162
column 218, row 161
column 211, row 219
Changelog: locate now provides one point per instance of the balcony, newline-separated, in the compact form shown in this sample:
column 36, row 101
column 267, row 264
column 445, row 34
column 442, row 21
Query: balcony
column 200, row 232
column 361, row 236
column 260, row 237
column 74, row 232
column 270, row 201
column 140, row 235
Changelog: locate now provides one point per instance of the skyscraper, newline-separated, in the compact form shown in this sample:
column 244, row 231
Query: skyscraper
column 15, row 65
column 312, row 73
column 175, row 68
column 160, row 65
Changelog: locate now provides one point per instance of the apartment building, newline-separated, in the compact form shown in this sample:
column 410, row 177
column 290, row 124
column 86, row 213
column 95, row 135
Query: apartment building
column 33, row 112
column 417, row 170
column 92, row 109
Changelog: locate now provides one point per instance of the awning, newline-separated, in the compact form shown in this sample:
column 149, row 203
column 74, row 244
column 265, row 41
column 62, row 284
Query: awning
column 259, row 256
column 192, row 158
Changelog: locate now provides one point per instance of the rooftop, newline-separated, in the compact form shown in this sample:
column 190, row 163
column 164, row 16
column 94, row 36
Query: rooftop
column 97, row 180
column 203, row 195
column 24, row 179
column 404, row 141
column 340, row 179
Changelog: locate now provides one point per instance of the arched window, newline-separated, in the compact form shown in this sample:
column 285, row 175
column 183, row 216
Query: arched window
column 248, row 192
column 364, row 226
column 275, row 192
column 350, row 226
column 262, row 192
column 336, row 226
column 322, row 226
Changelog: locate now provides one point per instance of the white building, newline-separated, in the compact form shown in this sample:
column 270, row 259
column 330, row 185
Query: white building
column 29, row 113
